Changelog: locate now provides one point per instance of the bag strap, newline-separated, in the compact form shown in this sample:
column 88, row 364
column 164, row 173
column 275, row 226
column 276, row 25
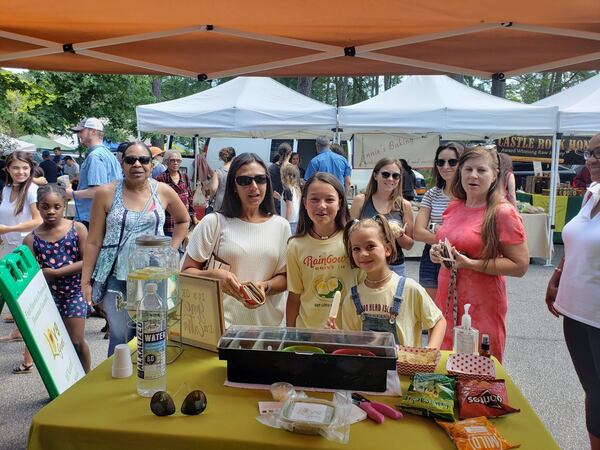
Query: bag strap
column 217, row 240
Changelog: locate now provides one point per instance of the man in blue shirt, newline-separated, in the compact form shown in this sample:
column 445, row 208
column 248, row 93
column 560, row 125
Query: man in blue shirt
column 330, row 162
column 99, row 167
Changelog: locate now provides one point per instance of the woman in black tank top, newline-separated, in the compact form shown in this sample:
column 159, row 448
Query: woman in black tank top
column 383, row 195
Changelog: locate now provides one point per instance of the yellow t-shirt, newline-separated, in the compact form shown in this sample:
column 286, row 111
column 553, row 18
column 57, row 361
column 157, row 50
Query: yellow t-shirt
column 316, row 269
column 417, row 311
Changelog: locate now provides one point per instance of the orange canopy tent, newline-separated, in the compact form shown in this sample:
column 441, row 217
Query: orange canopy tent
column 212, row 39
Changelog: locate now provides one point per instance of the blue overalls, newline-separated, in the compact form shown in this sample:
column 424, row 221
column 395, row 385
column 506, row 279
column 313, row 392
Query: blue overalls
column 377, row 323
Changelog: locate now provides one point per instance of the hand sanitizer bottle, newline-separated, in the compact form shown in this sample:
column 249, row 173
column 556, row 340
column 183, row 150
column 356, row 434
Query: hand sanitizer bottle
column 466, row 338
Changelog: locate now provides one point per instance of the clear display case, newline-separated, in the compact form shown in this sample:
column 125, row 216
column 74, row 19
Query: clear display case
column 332, row 359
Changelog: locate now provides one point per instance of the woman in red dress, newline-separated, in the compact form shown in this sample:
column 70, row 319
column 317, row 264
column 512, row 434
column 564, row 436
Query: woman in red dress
column 488, row 241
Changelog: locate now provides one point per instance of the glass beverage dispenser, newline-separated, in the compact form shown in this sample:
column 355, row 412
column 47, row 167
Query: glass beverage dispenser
column 153, row 260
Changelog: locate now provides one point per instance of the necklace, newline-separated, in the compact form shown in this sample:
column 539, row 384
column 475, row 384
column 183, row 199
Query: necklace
column 374, row 282
column 323, row 238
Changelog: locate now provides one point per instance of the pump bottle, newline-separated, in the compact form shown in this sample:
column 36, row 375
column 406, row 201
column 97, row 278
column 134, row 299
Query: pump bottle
column 466, row 338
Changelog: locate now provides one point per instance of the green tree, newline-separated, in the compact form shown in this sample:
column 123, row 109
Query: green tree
column 78, row 95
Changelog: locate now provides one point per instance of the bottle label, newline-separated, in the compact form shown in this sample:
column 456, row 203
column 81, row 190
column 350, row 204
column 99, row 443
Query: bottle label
column 152, row 344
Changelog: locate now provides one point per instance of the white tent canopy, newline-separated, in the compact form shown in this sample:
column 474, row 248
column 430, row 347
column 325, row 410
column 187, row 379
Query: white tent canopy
column 243, row 107
column 578, row 106
column 16, row 144
column 439, row 104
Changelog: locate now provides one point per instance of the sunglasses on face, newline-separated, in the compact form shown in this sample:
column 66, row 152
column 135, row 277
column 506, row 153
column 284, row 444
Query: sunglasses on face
column 244, row 180
column 394, row 175
column 131, row 160
column 451, row 162
column 175, row 161
column 162, row 404
column 595, row 152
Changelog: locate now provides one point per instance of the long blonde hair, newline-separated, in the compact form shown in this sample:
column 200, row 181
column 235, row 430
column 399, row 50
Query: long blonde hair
column 290, row 178
column 396, row 194
column 495, row 196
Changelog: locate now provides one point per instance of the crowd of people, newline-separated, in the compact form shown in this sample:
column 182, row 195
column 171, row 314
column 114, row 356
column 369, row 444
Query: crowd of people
column 293, row 234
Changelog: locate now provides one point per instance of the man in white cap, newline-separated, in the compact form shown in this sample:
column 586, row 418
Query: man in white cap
column 99, row 167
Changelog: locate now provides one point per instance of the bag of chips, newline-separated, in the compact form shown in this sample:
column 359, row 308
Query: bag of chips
column 430, row 395
column 482, row 398
column 476, row 433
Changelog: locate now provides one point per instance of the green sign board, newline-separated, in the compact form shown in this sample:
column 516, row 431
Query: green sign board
column 25, row 291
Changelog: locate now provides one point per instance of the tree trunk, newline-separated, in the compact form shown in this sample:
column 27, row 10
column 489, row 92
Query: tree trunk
column 457, row 77
column 156, row 82
column 305, row 85
column 342, row 91
column 499, row 87
column 387, row 82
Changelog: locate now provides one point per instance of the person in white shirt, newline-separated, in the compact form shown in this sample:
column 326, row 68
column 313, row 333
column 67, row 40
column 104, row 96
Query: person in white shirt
column 248, row 235
column 574, row 292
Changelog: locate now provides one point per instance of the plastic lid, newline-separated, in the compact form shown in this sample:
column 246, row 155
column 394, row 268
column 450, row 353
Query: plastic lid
column 466, row 318
column 150, row 288
column 150, row 240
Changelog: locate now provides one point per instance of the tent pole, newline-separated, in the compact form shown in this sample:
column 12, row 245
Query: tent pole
column 196, row 146
column 553, row 186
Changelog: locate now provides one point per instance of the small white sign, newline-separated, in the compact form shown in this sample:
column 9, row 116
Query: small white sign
column 417, row 150
column 537, row 168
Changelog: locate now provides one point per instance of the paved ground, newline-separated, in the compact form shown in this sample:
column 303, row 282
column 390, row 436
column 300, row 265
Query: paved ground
column 536, row 358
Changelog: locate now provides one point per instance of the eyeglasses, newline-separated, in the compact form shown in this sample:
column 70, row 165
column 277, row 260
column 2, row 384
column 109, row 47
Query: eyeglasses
column 244, row 180
column 595, row 152
column 394, row 175
column 451, row 162
column 162, row 404
column 176, row 161
column 131, row 160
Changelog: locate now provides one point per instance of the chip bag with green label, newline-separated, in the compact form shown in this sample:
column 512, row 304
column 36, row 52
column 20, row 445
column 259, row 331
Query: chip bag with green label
column 430, row 395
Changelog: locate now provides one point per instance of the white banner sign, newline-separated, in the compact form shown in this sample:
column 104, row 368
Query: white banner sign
column 417, row 150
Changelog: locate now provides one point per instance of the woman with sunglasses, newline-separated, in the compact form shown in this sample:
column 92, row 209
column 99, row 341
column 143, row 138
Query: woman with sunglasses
column 122, row 211
column 434, row 203
column 488, row 243
column 384, row 196
column 248, row 235
column 573, row 292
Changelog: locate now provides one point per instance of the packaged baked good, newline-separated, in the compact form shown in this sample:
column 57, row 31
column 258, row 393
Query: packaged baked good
column 476, row 433
column 482, row 398
column 430, row 395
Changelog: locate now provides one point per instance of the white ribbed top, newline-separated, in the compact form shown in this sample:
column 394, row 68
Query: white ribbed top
column 256, row 252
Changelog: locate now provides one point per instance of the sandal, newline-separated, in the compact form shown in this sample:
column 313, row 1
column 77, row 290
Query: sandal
column 9, row 319
column 12, row 337
column 22, row 368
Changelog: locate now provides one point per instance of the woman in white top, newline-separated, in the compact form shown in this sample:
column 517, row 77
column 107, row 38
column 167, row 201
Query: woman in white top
column 251, row 238
column 434, row 203
column 290, row 205
column 574, row 292
column 19, row 215
column 18, row 211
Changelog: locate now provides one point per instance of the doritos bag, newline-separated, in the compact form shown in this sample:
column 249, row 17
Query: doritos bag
column 482, row 398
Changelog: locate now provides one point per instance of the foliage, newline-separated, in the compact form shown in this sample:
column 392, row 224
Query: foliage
column 79, row 95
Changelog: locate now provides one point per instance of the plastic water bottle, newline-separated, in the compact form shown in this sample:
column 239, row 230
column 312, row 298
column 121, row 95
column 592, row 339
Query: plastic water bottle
column 151, row 327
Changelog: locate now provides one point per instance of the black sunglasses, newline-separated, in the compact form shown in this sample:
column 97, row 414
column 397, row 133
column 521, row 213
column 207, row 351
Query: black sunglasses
column 451, row 162
column 244, row 180
column 394, row 175
column 162, row 404
column 131, row 160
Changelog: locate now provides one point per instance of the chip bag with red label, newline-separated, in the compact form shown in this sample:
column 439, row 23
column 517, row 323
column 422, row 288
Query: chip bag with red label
column 476, row 433
column 482, row 398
